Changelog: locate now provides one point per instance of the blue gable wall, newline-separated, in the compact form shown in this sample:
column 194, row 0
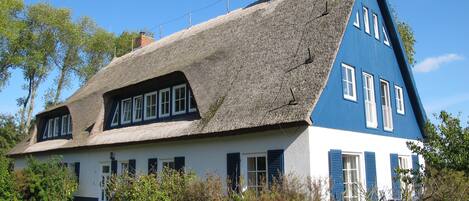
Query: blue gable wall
column 367, row 54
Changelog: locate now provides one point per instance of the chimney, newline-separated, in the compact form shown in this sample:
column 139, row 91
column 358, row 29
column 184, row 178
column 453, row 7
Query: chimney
column 142, row 40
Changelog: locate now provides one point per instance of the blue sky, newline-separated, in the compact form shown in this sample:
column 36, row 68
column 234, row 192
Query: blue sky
column 440, row 28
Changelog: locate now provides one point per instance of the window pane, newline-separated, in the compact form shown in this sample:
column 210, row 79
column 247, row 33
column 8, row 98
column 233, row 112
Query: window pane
column 251, row 164
column 261, row 178
column 252, row 179
column 261, row 163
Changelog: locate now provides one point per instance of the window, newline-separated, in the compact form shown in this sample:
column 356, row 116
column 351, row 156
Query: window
column 124, row 167
column 70, row 126
column 376, row 26
column 179, row 99
column 115, row 116
column 138, row 113
column 164, row 103
column 56, row 126
column 370, row 103
column 256, row 172
column 65, row 122
column 366, row 20
column 351, row 172
column 50, row 130
column 386, row 106
column 356, row 23
column 168, row 164
column 126, row 111
column 404, row 164
column 192, row 107
column 399, row 100
column 348, row 81
column 386, row 39
column 150, row 106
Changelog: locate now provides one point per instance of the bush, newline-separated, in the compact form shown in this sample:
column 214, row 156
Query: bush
column 7, row 185
column 46, row 181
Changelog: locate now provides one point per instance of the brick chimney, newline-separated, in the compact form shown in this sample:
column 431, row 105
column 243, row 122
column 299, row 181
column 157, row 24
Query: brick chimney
column 142, row 40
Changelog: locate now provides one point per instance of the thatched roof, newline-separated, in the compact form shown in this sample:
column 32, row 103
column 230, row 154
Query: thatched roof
column 245, row 69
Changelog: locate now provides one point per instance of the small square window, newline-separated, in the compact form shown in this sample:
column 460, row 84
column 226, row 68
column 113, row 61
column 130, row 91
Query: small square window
column 348, row 82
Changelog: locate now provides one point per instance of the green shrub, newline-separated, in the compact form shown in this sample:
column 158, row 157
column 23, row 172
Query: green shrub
column 7, row 184
column 46, row 181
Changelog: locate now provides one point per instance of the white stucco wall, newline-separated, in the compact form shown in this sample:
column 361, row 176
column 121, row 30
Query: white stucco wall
column 322, row 140
column 201, row 156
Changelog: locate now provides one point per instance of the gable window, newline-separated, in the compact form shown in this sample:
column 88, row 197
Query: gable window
column 126, row 111
column 348, row 82
column 150, row 106
column 370, row 103
column 179, row 99
column 351, row 172
column 115, row 116
column 256, row 172
column 56, row 126
column 366, row 20
column 137, row 109
column 399, row 100
column 356, row 23
column 164, row 103
column 386, row 39
column 192, row 107
column 386, row 106
column 376, row 26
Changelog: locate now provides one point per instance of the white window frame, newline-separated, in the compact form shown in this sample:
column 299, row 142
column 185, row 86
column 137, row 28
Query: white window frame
column 400, row 104
column 123, row 121
column 356, row 23
column 145, row 115
column 376, row 25
column 366, row 19
column 181, row 86
column 65, row 127
column 244, row 167
column 370, row 102
column 190, row 102
column 345, row 80
column 361, row 171
column 50, row 128
column 165, row 160
column 386, row 106
column 407, row 165
column 121, row 167
column 69, row 129
column 116, row 116
column 386, row 38
column 56, row 126
column 160, row 103
column 135, row 108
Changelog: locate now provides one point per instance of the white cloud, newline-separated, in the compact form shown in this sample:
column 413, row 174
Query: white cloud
column 434, row 63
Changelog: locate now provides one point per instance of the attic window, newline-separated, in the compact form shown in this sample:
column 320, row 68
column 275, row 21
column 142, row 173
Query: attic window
column 138, row 111
column 356, row 23
column 366, row 19
column 115, row 116
column 376, row 26
column 55, row 125
column 386, row 39
column 179, row 99
column 348, row 81
column 165, row 99
column 126, row 113
column 150, row 106
column 192, row 107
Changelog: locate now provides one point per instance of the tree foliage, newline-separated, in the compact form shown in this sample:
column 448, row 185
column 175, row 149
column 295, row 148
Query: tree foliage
column 408, row 38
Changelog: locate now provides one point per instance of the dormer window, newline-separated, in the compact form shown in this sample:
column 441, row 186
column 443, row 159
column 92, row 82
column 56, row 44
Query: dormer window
column 159, row 99
column 179, row 99
column 55, row 124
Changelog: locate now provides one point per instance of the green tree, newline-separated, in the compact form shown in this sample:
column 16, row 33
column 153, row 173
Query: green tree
column 9, row 134
column 10, row 24
column 124, row 44
column 445, row 145
column 408, row 38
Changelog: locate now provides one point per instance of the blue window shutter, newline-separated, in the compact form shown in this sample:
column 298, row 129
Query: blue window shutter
column 152, row 165
column 336, row 174
column 179, row 163
column 77, row 171
column 396, row 183
column 233, row 167
column 275, row 166
column 132, row 164
column 370, row 171
column 114, row 167
column 415, row 162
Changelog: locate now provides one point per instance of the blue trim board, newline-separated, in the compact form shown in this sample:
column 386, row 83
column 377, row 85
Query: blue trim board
column 368, row 55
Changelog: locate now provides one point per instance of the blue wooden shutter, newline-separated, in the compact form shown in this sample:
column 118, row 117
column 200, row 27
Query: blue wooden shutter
column 336, row 174
column 233, row 170
column 114, row 167
column 370, row 170
column 275, row 166
column 152, row 165
column 396, row 183
column 179, row 163
column 415, row 162
column 132, row 164
column 77, row 171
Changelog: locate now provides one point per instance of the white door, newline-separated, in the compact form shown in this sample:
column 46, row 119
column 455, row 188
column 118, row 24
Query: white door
column 105, row 175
